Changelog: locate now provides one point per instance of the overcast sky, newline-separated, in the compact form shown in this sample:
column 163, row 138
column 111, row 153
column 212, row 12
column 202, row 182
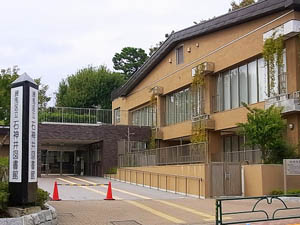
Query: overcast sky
column 52, row 39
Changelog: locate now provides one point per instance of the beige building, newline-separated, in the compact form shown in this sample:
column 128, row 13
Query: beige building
column 228, row 50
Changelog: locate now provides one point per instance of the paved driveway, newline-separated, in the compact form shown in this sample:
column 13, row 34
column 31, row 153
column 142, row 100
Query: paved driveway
column 84, row 205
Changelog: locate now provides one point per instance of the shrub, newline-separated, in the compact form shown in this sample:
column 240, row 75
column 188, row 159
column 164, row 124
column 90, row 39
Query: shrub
column 112, row 171
column 4, row 169
column 41, row 197
column 289, row 192
column 3, row 195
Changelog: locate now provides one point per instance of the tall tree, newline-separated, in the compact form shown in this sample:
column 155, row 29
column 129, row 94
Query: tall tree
column 129, row 60
column 243, row 3
column 89, row 87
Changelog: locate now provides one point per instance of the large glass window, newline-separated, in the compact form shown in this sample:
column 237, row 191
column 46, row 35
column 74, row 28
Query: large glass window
column 243, row 84
column 262, row 80
column 252, row 75
column 178, row 107
column 227, row 104
column 234, row 88
column 145, row 116
column 248, row 83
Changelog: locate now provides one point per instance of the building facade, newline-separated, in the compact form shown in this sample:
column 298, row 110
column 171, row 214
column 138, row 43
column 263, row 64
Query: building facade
column 228, row 50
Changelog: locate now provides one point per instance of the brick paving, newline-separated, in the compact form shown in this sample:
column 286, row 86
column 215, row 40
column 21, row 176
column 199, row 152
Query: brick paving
column 144, row 206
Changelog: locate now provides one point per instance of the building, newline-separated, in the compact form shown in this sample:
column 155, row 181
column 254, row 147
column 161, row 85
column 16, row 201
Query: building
column 228, row 51
column 82, row 149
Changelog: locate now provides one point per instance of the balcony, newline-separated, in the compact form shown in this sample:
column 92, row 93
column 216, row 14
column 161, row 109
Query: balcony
column 289, row 102
column 75, row 115
column 203, row 120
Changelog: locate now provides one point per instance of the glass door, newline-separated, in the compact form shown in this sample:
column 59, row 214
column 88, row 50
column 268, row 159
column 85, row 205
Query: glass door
column 68, row 162
column 54, row 159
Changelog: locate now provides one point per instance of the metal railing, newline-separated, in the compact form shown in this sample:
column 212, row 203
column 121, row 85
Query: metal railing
column 187, row 185
column 180, row 154
column 75, row 115
column 256, row 212
column 249, row 156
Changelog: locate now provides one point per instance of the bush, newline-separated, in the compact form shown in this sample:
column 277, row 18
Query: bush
column 41, row 197
column 3, row 195
column 289, row 192
column 4, row 169
column 112, row 171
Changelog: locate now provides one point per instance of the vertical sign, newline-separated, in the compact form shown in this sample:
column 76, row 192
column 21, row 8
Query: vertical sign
column 23, row 142
column 15, row 147
column 33, row 132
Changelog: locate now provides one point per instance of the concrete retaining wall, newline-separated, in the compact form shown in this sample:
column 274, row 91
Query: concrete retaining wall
column 44, row 217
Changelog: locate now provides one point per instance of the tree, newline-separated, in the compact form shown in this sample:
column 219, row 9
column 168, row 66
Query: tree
column 129, row 60
column 43, row 98
column 7, row 76
column 264, row 129
column 243, row 3
column 89, row 87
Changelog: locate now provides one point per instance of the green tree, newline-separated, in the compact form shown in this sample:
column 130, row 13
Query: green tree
column 7, row 76
column 264, row 129
column 89, row 87
column 129, row 60
column 43, row 98
column 243, row 3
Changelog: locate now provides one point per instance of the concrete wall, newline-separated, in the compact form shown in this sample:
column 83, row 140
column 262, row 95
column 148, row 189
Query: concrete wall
column 262, row 179
column 185, row 179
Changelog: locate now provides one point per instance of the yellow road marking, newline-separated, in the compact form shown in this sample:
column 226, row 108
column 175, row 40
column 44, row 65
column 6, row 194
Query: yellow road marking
column 157, row 213
column 115, row 189
column 187, row 209
column 87, row 188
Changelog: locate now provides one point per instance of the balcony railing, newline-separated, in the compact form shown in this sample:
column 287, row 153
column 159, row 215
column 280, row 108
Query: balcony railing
column 289, row 102
column 247, row 156
column 190, row 153
column 75, row 115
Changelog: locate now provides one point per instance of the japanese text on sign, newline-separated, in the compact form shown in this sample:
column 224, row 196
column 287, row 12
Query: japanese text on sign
column 15, row 170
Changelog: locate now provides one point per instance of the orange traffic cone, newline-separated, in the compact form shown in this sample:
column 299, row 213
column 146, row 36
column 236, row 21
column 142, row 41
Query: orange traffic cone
column 109, row 193
column 55, row 193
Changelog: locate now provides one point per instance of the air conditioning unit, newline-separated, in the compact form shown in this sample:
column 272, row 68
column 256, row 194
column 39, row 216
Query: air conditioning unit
column 208, row 67
column 157, row 90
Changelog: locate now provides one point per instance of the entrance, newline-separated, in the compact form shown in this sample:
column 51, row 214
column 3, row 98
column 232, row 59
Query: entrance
column 226, row 179
column 58, row 162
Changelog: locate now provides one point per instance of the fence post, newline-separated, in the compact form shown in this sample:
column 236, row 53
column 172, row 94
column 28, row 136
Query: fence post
column 150, row 180
column 166, row 183
column 219, row 212
column 199, row 186
column 186, row 186
column 175, row 184
column 157, row 181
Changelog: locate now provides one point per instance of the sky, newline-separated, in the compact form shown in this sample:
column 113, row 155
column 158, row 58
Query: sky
column 53, row 39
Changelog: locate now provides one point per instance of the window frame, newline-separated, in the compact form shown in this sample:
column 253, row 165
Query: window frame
column 177, row 54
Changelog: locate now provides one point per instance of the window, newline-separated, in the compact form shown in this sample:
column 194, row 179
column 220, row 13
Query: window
column 249, row 84
column 117, row 115
column 178, row 107
column 145, row 116
column 179, row 55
